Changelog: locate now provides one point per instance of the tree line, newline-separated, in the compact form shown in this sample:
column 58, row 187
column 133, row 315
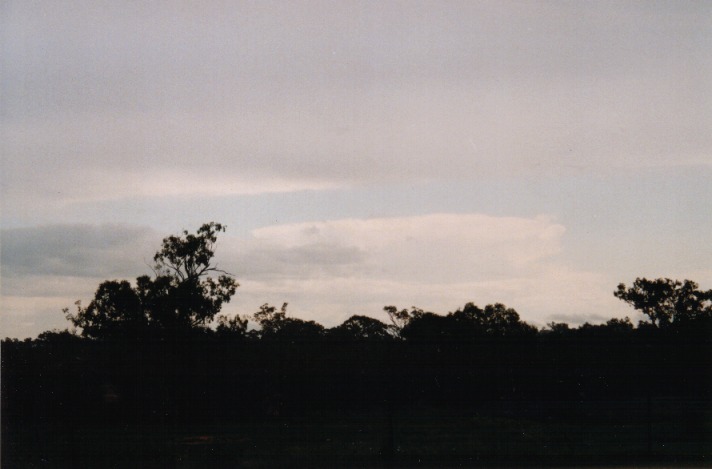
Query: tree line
column 158, row 352
column 184, row 298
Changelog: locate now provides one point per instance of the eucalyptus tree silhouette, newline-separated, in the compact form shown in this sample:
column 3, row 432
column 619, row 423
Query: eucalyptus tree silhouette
column 400, row 319
column 182, row 296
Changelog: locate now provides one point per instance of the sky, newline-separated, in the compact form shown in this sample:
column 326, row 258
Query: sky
column 361, row 153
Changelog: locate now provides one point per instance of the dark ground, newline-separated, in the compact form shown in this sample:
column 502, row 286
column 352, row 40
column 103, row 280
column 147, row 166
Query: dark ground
column 592, row 434
column 635, row 401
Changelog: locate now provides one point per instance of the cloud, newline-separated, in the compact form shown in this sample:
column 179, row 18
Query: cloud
column 327, row 270
column 47, row 268
column 140, row 108
column 578, row 319
column 428, row 248
column 75, row 251
column 331, row 269
column 114, row 102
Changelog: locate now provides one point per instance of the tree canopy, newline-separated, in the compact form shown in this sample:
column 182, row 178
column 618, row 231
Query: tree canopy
column 666, row 302
column 180, row 297
column 359, row 327
column 188, row 290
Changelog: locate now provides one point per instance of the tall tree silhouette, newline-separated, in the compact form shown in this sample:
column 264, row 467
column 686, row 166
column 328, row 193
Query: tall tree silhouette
column 182, row 295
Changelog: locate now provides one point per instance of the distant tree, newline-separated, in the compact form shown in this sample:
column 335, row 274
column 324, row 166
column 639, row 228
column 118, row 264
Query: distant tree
column 401, row 318
column 270, row 319
column 612, row 329
column 493, row 320
column 361, row 328
column 557, row 328
column 274, row 324
column 294, row 329
column 431, row 327
column 58, row 337
column 666, row 302
column 619, row 325
column 235, row 326
column 182, row 296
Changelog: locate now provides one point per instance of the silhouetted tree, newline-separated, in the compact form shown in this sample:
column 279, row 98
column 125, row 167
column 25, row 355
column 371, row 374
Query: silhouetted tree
column 494, row 320
column 275, row 324
column 557, row 328
column 58, row 337
column 361, row 328
column 666, row 302
column 233, row 327
column 430, row 327
column 182, row 295
column 295, row 329
column 116, row 311
column 270, row 318
column 620, row 325
column 400, row 319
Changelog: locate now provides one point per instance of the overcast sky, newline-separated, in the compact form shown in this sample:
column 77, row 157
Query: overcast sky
column 360, row 153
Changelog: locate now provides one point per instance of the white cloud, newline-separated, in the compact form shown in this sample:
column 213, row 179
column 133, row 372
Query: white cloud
column 438, row 262
column 428, row 248
column 327, row 270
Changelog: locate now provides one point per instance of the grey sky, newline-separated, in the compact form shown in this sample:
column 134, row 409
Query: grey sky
column 150, row 118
